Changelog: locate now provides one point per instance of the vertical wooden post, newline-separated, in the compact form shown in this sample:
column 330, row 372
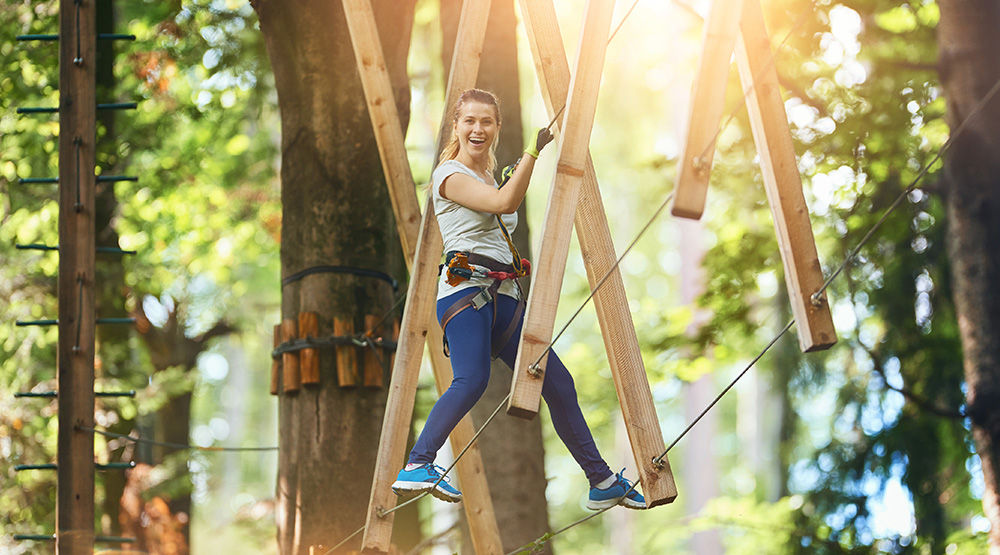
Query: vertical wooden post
column 291, row 377
column 77, row 248
column 347, row 355
column 803, row 273
column 372, row 358
column 526, row 387
column 276, row 362
column 309, row 358
column 611, row 303
column 707, row 103
column 422, row 248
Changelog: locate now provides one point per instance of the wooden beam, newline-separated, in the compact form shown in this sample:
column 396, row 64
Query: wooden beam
column 385, row 121
column 421, row 297
column 707, row 103
column 423, row 245
column 529, row 368
column 77, row 248
column 803, row 273
column 610, row 301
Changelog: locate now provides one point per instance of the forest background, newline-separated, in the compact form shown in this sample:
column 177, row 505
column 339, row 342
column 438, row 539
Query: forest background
column 861, row 449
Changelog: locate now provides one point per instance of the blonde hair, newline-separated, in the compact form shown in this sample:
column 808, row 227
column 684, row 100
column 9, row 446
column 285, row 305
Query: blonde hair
column 450, row 150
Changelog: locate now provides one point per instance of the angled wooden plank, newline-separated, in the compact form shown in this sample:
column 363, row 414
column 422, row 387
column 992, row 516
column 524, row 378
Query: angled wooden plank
column 77, row 316
column 707, row 103
column 422, row 248
column 529, row 368
column 385, row 121
column 421, row 297
column 803, row 274
column 610, row 301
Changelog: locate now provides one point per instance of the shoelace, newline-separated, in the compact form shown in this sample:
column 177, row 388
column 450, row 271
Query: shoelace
column 627, row 482
column 438, row 471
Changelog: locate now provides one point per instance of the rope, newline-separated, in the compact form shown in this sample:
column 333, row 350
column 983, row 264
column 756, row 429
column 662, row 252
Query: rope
column 658, row 461
column 909, row 188
column 382, row 514
column 172, row 445
column 711, row 144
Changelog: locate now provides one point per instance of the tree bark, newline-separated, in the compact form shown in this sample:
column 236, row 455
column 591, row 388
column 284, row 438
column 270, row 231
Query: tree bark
column 336, row 211
column 518, row 490
column 968, row 70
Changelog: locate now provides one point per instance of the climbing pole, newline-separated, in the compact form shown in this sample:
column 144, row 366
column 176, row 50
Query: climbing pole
column 769, row 123
column 77, row 318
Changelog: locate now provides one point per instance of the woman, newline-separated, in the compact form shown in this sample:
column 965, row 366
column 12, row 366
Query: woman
column 482, row 315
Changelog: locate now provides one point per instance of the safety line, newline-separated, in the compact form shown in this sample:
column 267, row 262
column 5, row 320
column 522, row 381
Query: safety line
column 732, row 115
column 173, row 445
column 382, row 514
column 910, row 188
column 658, row 461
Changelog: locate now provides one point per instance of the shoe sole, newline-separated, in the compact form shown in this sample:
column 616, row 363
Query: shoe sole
column 409, row 490
column 608, row 503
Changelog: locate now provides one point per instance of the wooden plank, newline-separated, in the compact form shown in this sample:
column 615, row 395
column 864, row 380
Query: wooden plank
column 526, row 386
column 610, row 301
column 707, row 103
column 372, row 356
column 421, row 298
column 309, row 358
column 428, row 248
column 803, row 273
column 385, row 121
column 347, row 355
column 77, row 248
column 276, row 362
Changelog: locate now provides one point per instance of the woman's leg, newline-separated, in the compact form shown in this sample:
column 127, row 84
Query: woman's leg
column 468, row 336
column 560, row 396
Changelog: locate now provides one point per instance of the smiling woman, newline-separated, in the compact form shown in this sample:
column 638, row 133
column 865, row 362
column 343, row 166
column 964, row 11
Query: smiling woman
column 475, row 216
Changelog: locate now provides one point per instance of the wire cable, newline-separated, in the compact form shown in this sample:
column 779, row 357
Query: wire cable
column 179, row 446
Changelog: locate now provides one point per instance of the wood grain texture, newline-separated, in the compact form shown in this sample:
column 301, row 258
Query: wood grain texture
column 290, row 374
column 599, row 256
column 423, row 252
column 77, row 246
column 707, row 104
column 574, row 148
column 309, row 358
column 385, row 121
column 769, row 122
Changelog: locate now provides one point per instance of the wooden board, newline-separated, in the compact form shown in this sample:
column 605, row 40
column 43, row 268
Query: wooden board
column 421, row 297
column 385, row 121
column 77, row 248
column 803, row 273
column 707, row 104
column 610, row 301
column 426, row 246
column 526, row 386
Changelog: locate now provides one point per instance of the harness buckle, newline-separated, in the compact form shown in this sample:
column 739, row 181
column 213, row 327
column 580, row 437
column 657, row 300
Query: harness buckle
column 482, row 299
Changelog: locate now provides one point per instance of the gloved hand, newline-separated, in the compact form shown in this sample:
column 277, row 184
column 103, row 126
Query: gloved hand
column 542, row 138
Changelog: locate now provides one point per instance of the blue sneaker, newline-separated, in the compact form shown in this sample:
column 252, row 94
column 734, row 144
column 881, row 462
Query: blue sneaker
column 615, row 494
column 409, row 483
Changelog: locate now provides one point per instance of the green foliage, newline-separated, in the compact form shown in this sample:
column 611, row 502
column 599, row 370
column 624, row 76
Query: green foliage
column 204, row 215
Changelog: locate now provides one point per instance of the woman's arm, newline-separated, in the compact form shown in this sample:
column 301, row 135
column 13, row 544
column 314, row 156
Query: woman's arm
column 480, row 197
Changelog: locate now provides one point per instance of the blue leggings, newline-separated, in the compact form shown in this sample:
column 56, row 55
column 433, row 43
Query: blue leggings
column 469, row 337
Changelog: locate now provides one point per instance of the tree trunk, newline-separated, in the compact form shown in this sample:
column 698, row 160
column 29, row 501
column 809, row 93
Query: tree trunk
column 968, row 69
column 336, row 211
column 518, row 490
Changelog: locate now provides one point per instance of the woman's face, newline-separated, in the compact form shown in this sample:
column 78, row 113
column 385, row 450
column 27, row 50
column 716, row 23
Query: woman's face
column 476, row 128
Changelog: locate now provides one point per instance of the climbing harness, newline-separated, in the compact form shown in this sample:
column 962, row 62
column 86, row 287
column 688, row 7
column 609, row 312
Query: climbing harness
column 465, row 265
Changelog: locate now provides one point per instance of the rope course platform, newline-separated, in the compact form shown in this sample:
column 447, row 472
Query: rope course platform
column 804, row 279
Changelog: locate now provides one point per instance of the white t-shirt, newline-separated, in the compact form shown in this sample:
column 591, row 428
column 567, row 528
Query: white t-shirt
column 467, row 230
